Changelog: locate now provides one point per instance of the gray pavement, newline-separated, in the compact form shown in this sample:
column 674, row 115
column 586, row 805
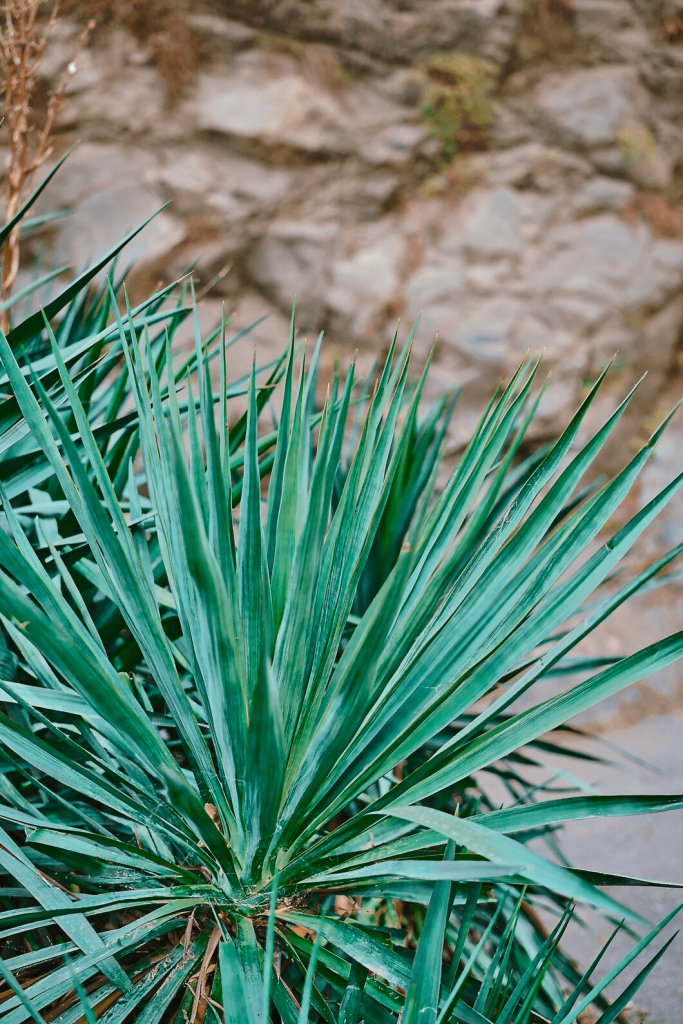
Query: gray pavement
column 647, row 722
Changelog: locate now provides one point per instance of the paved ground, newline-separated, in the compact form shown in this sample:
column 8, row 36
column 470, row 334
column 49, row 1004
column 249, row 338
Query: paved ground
column 646, row 721
column 649, row 846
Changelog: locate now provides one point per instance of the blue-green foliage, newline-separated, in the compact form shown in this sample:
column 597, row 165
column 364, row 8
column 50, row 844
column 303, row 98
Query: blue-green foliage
column 251, row 678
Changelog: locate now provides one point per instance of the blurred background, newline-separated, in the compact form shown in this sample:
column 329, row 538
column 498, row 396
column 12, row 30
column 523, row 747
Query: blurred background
column 512, row 170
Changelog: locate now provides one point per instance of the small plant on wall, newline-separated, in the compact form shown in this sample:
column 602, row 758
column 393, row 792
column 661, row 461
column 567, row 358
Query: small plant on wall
column 457, row 102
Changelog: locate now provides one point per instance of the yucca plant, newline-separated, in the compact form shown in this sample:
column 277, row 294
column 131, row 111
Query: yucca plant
column 246, row 679
column 243, row 672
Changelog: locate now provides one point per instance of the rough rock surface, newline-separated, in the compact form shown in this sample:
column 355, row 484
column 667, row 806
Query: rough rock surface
column 302, row 156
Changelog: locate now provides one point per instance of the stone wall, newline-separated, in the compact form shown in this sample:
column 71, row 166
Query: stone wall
column 302, row 156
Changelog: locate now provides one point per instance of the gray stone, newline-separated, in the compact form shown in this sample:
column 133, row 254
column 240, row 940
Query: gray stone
column 273, row 110
column 613, row 337
column 510, row 127
column 253, row 181
column 660, row 275
column 110, row 191
column 118, row 106
column 614, row 25
column 532, row 334
column 589, row 107
column 221, row 37
column 594, row 18
column 434, row 282
column 574, row 313
column 644, row 160
column 370, row 193
column 631, row 44
column 383, row 28
column 365, row 285
column 535, row 212
column 486, row 333
column 101, row 220
column 350, row 192
column 660, row 337
column 513, row 166
column 393, row 145
column 596, row 258
column 189, row 170
column 437, row 324
column 404, row 86
column 599, row 194
column 662, row 468
column 480, row 334
column 59, row 56
column 491, row 224
column 488, row 225
column 530, row 164
column 210, row 262
column 94, row 167
column 281, row 105
column 488, row 276
column 86, row 75
column 609, row 160
column 292, row 259
column 233, row 185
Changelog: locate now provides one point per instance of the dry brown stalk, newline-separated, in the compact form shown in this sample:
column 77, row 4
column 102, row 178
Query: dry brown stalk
column 22, row 45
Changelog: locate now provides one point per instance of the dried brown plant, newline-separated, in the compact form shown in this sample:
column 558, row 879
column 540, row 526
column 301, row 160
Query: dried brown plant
column 23, row 38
